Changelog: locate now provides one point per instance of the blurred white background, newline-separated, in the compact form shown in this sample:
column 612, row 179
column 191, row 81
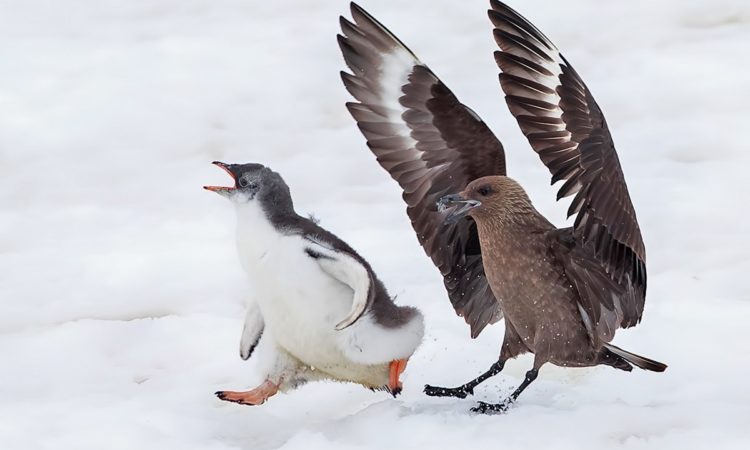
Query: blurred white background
column 121, row 296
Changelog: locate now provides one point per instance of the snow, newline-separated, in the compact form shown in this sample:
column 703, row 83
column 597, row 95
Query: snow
column 122, row 296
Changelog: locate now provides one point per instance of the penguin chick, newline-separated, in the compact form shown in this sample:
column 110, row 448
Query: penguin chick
column 319, row 309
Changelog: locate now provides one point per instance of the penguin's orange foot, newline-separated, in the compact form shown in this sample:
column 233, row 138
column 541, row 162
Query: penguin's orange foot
column 396, row 368
column 255, row 396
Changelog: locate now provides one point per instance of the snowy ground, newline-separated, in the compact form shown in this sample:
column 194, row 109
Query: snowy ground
column 122, row 295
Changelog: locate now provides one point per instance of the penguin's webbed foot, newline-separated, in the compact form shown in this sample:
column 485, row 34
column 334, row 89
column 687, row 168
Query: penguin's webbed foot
column 395, row 369
column 253, row 397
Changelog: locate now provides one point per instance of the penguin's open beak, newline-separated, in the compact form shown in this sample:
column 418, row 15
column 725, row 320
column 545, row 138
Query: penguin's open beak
column 225, row 191
column 461, row 205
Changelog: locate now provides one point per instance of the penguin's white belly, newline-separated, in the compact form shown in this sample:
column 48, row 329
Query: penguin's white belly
column 301, row 305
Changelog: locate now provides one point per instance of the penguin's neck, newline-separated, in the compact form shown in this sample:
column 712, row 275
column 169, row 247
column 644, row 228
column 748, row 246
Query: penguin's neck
column 256, row 234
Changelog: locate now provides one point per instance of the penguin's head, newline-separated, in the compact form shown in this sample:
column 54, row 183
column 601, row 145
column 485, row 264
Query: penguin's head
column 254, row 182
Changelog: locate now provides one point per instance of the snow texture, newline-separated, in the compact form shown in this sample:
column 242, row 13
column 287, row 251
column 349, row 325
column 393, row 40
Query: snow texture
column 122, row 295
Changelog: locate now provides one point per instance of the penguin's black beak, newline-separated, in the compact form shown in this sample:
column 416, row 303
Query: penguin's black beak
column 461, row 205
column 225, row 191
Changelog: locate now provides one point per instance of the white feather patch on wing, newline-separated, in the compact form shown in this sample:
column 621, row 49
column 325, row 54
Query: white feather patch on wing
column 349, row 271
column 378, row 86
column 396, row 68
column 252, row 330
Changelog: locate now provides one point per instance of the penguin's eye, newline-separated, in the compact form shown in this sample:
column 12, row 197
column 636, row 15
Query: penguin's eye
column 484, row 191
column 243, row 182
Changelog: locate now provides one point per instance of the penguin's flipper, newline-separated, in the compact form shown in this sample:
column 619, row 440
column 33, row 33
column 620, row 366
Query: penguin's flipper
column 350, row 271
column 252, row 331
